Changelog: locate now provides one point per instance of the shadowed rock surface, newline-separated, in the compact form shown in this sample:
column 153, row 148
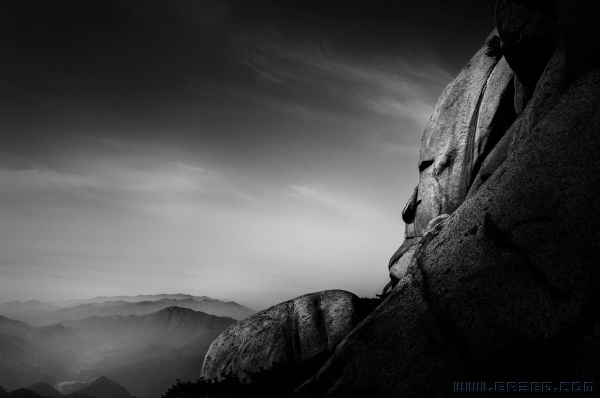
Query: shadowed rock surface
column 304, row 329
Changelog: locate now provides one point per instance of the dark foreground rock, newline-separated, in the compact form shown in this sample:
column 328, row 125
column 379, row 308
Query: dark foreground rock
column 508, row 289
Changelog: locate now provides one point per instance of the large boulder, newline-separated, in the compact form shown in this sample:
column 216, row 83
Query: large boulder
column 303, row 330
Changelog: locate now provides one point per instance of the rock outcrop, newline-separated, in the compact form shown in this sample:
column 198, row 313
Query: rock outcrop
column 472, row 115
column 305, row 329
column 497, row 279
column 506, row 288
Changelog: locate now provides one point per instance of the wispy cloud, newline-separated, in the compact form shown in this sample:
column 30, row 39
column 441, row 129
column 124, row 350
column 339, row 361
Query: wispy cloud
column 416, row 110
column 403, row 87
column 175, row 177
column 316, row 196
column 40, row 179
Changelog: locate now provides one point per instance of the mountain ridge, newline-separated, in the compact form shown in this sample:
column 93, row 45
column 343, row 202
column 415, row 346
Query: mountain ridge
column 128, row 305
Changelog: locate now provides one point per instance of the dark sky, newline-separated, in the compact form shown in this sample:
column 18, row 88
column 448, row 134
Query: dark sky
column 241, row 149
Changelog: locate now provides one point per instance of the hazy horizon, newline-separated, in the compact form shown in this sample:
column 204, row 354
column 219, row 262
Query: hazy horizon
column 247, row 151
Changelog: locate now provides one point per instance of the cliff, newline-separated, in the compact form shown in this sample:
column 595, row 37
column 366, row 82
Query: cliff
column 498, row 278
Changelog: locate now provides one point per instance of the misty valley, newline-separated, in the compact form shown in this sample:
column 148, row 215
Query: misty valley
column 108, row 346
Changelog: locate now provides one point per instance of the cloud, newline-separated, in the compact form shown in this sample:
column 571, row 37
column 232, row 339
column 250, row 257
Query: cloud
column 109, row 176
column 40, row 179
column 349, row 207
column 417, row 111
column 403, row 87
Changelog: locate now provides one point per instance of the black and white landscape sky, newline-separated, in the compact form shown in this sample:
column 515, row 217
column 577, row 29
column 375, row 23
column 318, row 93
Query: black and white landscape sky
column 249, row 150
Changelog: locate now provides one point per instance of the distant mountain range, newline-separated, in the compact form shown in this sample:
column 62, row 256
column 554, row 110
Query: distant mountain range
column 177, row 326
column 142, row 345
column 44, row 390
column 31, row 305
column 11, row 326
column 131, row 299
column 102, row 387
column 38, row 314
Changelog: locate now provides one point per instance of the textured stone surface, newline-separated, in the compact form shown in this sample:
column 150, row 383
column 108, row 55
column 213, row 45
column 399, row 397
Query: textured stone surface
column 508, row 288
column 470, row 118
column 447, row 144
column 296, row 331
column 399, row 267
column 528, row 31
column 547, row 93
column 496, row 111
column 521, row 96
column 433, row 224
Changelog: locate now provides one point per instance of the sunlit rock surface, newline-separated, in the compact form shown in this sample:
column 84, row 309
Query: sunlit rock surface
column 471, row 117
column 297, row 331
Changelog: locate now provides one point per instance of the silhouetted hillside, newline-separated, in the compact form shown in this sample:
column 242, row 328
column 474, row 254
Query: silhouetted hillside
column 104, row 387
column 139, row 376
column 16, row 328
column 45, row 390
column 135, row 351
column 57, row 338
column 23, row 393
column 156, row 390
column 23, row 363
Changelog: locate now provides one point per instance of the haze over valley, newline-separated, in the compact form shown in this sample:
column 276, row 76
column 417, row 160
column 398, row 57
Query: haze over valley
column 143, row 343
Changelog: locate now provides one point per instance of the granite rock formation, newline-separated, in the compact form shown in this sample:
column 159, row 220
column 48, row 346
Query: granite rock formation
column 507, row 286
column 305, row 329
column 472, row 115
column 497, row 278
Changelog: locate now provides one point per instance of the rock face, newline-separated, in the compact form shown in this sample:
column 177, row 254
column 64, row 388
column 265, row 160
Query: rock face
column 448, row 146
column 471, row 117
column 307, row 328
column 506, row 288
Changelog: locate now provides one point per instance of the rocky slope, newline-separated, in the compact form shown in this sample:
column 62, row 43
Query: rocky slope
column 498, row 278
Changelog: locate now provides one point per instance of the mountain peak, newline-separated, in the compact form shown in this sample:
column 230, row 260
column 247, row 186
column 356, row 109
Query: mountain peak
column 45, row 390
column 103, row 387
column 104, row 380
